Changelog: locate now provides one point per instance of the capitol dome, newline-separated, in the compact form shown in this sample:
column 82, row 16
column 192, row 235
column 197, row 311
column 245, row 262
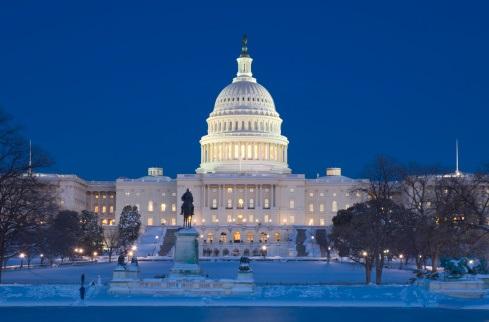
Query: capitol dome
column 244, row 129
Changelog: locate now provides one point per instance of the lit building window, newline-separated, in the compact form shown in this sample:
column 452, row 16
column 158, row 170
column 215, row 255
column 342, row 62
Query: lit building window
column 173, row 207
column 96, row 209
column 347, row 194
column 150, row 206
column 162, row 221
column 104, row 209
column 251, row 203
column 223, row 237
column 163, row 207
column 347, row 206
column 229, row 204
column 252, row 190
column 266, row 203
column 334, row 206
column 311, row 194
column 173, row 194
column 150, row 221
column 111, row 209
column 291, row 203
column 291, row 189
column 214, row 218
column 210, row 237
column 230, row 190
column 104, row 196
column 266, row 218
column 291, row 220
column 173, row 221
column 311, row 221
column 334, row 194
column 311, row 207
column 240, row 203
column 111, row 196
column 127, row 193
column 230, row 219
column 321, row 221
column 112, row 222
column 96, row 196
column 276, row 236
column 137, row 207
column 321, row 207
column 322, row 194
column 263, row 237
column 250, row 218
column 104, row 222
column 214, row 203
column 250, row 237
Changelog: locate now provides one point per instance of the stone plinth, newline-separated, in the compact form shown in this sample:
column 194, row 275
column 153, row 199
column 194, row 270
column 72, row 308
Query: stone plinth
column 122, row 273
column 186, row 254
column 458, row 288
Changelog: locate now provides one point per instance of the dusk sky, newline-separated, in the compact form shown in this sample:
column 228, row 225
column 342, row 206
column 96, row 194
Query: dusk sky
column 111, row 88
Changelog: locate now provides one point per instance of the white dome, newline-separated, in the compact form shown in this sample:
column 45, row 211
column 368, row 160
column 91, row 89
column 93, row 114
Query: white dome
column 244, row 97
column 244, row 129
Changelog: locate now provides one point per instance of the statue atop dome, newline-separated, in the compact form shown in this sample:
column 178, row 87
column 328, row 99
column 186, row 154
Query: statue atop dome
column 244, row 46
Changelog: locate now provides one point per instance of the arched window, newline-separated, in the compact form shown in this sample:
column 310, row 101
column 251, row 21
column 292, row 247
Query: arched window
column 240, row 203
column 210, row 237
column 237, row 237
column 263, row 237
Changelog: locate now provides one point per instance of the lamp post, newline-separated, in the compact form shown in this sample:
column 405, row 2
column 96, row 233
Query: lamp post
column 401, row 257
column 264, row 251
column 22, row 256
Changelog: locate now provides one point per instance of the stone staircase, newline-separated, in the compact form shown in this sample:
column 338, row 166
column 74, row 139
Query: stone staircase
column 168, row 242
column 300, row 238
column 150, row 241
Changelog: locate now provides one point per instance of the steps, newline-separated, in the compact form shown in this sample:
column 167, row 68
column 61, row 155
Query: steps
column 150, row 241
column 168, row 242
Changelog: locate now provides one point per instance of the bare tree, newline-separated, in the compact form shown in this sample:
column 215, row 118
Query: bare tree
column 111, row 240
column 25, row 202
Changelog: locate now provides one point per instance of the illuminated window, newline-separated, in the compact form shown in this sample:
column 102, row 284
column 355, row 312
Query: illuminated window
column 127, row 193
column 334, row 194
column 291, row 189
column 250, row 237
column 347, row 206
column 214, row 218
column 321, row 208
column 223, row 237
column 237, row 237
column 163, row 207
column 111, row 209
column 347, row 194
column 96, row 209
column 266, row 218
column 292, row 219
column 229, row 204
column 276, row 236
column 334, row 206
column 311, row 194
column 263, row 237
column 150, row 206
column 104, row 196
column 96, row 196
column 173, row 221
column 173, row 207
column 111, row 196
column 214, row 203
column 251, row 203
column 162, row 221
column 240, row 203
column 230, row 219
column 104, row 222
column 311, row 207
column 112, row 222
column 230, row 190
column 150, row 221
column 321, row 221
column 104, row 209
column 321, row 194
column 266, row 203
column 173, row 194
column 291, row 203
column 311, row 221
column 250, row 218
column 210, row 237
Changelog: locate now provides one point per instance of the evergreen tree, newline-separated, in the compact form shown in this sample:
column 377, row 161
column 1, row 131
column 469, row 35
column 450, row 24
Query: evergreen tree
column 91, row 232
column 129, row 224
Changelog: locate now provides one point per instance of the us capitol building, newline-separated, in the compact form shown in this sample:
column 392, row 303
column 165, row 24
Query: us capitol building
column 246, row 198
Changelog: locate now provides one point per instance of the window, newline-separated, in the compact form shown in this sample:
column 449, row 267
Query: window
column 104, row 222
column 321, row 207
column 311, row 194
column 173, row 221
column 334, row 194
column 321, row 194
column 230, row 219
column 250, row 218
column 237, row 237
column 127, row 193
column 291, row 203
column 321, row 221
column 291, row 189
column 96, row 209
column 266, row 203
column 174, row 194
column 263, row 237
column 229, row 204
column 111, row 196
column 162, row 221
column 210, row 237
column 311, row 222
column 251, row 203
column 347, row 194
column 150, row 206
column 104, row 196
column 230, row 190
column 223, row 237
column 104, row 209
column 173, row 207
column 240, row 203
column 214, row 218
column 250, row 237
column 334, row 206
column 150, row 221
column 311, row 207
column 265, row 219
column 276, row 236
column 111, row 209
column 96, row 196
column 163, row 207
column 214, row 203
column 347, row 206
column 292, row 219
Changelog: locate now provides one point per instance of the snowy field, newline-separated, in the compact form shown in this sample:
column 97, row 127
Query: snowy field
column 265, row 272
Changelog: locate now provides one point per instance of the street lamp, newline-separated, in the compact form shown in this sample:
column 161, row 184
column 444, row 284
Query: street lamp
column 264, row 251
column 22, row 256
column 401, row 257
column 134, row 247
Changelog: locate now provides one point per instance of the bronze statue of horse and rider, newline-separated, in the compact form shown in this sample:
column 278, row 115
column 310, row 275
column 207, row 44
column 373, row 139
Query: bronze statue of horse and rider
column 187, row 209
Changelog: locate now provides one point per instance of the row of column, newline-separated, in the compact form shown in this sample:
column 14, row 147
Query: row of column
column 243, row 151
column 258, row 195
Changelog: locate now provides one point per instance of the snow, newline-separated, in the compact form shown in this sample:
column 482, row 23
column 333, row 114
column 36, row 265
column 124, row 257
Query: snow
column 265, row 272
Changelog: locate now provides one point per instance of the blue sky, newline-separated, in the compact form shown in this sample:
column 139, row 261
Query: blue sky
column 110, row 88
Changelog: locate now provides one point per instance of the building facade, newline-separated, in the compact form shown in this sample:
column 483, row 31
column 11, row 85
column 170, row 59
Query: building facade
column 245, row 195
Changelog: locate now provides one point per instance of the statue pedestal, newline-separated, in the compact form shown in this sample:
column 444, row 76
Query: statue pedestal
column 186, row 254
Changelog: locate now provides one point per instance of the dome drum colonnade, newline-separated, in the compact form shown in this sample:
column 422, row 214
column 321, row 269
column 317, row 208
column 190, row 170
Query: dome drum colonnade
column 244, row 128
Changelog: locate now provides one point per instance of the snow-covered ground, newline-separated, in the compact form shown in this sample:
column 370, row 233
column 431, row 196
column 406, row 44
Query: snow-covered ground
column 265, row 272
